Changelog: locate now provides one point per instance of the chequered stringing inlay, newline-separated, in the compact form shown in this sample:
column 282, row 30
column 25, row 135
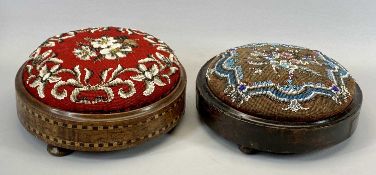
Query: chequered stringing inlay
column 99, row 145
column 58, row 140
column 95, row 128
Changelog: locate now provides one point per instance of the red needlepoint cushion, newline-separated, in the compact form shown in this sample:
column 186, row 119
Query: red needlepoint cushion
column 101, row 70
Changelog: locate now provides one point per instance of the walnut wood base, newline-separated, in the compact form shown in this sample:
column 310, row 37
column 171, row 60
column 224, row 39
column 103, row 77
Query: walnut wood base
column 66, row 131
column 247, row 150
column 171, row 131
column 254, row 134
column 57, row 151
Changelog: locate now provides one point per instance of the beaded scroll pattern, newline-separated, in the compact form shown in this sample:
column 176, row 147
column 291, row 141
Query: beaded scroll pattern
column 287, row 60
column 46, row 67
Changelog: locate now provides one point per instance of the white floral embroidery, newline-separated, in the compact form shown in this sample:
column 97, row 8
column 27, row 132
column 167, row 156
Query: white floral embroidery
column 158, row 74
column 108, row 47
column 115, row 51
column 51, row 42
column 103, row 42
column 45, row 76
column 168, row 63
column 295, row 106
column 105, row 85
column 150, row 77
column 84, row 53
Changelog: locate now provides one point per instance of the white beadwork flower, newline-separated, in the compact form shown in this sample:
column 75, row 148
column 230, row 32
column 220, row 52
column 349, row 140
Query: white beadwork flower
column 115, row 51
column 45, row 76
column 150, row 77
column 295, row 106
column 288, row 65
column 103, row 42
column 168, row 60
column 84, row 53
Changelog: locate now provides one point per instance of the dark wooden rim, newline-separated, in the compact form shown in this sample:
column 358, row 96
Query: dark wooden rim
column 205, row 92
column 97, row 117
column 256, row 133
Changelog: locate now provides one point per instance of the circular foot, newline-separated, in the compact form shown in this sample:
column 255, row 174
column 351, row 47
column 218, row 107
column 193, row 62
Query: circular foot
column 171, row 131
column 247, row 150
column 57, row 151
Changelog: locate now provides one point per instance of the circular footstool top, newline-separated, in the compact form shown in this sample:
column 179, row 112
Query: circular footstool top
column 281, row 82
column 101, row 70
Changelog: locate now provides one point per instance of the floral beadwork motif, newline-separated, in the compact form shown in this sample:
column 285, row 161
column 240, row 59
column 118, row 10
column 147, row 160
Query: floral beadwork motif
column 287, row 62
column 84, row 53
column 45, row 75
column 82, row 86
column 105, row 48
column 151, row 76
column 46, row 67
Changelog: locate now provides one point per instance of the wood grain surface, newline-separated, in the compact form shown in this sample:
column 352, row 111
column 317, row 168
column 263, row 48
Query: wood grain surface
column 99, row 132
column 255, row 133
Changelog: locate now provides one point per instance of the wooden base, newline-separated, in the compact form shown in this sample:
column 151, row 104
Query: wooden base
column 171, row 131
column 65, row 131
column 247, row 150
column 57, row 151
column 254, row 133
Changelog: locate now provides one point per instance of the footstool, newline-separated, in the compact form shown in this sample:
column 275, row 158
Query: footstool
column 100, row 89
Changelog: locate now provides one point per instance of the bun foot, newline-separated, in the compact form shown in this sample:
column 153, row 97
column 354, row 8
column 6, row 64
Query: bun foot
column 171, row 131
column 57, row 151
column 247, row 150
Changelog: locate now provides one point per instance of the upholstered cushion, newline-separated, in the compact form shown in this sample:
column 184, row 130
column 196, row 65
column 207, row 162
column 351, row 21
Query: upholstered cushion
column 281, row 82
column 101, row 70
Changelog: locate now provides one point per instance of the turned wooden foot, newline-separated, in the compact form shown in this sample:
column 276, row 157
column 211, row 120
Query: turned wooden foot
column 57, row 151
column 247, row 150
column 171, row 131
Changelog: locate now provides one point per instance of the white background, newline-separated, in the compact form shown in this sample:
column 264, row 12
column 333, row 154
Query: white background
column 197, row 30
